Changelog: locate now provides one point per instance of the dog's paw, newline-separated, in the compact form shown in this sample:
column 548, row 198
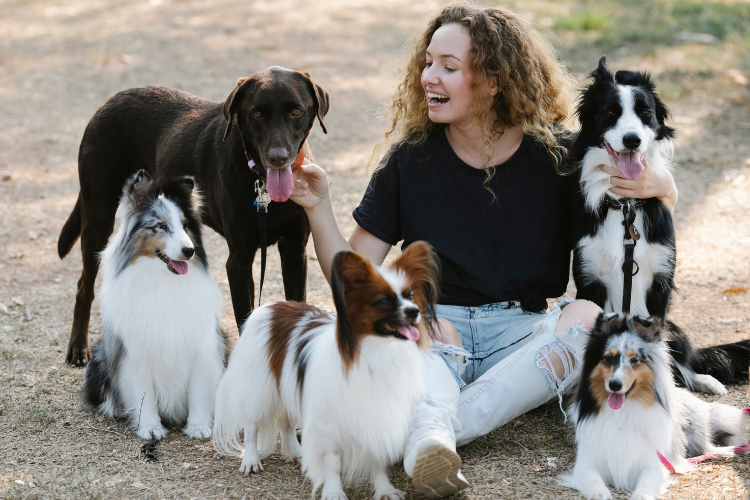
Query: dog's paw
column 149, row 432
column 251, row 467
column 602, row 493
column 393, row 494
column 197, row 431
column 640, row 495
column 296, row 460
column 334, row 495
column 709, row 385
column 78, row 356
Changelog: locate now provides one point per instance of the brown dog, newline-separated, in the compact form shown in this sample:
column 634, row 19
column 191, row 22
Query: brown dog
column 166, row 132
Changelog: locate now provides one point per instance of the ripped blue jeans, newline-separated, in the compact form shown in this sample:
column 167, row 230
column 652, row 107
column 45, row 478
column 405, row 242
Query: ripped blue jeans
column 512, row 362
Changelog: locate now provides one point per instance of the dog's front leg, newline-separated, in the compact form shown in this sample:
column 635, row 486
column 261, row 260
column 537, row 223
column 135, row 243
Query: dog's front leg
column 204, row 380
column 384, row 490
column 140, row 400
column 293, row 252
column 241, row 285
column 652, row 483
column 332, row 488
column 586, row 479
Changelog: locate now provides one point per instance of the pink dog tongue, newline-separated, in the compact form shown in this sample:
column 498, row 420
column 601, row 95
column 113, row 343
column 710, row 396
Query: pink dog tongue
column 279, row 183
column 179, row 265
column 408, row 331
column 630, row 165
column 615, row 400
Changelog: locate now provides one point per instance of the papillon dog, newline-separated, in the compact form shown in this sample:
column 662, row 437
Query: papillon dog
column 623, row 124
column 350, row 381
column 633, row 425
column 162, row 352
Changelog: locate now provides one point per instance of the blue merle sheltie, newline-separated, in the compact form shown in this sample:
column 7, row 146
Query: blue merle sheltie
column 162, row 353
column 634, row 426
column 623, row 124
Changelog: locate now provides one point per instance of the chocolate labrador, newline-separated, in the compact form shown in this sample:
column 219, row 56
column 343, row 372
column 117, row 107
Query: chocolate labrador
column 166, row 132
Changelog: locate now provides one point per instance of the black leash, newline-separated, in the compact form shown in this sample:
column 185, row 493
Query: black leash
column 630, row 239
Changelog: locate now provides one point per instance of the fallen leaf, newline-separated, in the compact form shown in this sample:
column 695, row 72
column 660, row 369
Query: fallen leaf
column 517, row 423
column 4, row 308
column 139, row 485
column 17, row 300
column 32, row 485
column 552, row 462
column 739, row 289
column 542, row 438
column 33, row 235
column 6, row 176
column 65, row 421
column 537, row 467
column 18, row 481
column 740, row 100
column 112, row 482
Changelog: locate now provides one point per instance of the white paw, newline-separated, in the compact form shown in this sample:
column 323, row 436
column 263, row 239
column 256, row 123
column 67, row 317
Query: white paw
column 296, row 460
column 709, row 385
column 602, row 493
column 393, row 494
column 251, row 467
column 197, row 431
column 639, row 495
column 336, row 495
column 151, row 432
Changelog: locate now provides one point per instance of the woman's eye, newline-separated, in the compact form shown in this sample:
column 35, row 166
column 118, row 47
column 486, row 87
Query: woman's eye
column 257, row 114
column 296, row 112
column 449, row 69
column 428, row 64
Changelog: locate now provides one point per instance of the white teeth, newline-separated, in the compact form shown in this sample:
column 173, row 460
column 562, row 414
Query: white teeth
column 431, row 95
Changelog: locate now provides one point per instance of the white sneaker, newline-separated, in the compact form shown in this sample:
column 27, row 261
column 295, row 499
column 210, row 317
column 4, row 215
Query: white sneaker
column 437, row 468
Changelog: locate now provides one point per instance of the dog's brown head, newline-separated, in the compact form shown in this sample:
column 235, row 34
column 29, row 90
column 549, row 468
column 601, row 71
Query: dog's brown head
column 274, row 110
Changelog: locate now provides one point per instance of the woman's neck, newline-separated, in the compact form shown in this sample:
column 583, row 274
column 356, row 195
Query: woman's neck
column 466, row 142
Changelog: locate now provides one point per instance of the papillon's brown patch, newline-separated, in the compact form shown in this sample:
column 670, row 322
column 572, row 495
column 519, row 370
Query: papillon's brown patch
column 285, row 317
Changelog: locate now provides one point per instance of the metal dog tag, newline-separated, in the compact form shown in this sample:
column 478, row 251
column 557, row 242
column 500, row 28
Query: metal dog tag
column 634, row 232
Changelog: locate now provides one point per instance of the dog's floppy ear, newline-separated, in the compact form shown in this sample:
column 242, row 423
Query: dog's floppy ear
column 231, row 104
column 349, row 269
column 321, row 100
column 649, row 329
column 187, row 182
column 136, row 188
column 609, row 323
column 421, row 265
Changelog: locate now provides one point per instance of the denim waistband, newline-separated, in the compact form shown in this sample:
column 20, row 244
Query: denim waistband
column 477, row 312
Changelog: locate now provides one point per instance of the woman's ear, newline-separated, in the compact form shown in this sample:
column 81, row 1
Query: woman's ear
column 493, row 83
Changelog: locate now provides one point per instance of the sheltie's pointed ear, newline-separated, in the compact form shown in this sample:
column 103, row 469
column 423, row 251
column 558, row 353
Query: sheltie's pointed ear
column 136, row 189
column 649, row 329
column 610, row 323
column 349, row 269
column 421, row 265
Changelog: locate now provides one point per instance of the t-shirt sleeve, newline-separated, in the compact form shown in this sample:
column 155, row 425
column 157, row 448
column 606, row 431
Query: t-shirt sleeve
column 379, row 212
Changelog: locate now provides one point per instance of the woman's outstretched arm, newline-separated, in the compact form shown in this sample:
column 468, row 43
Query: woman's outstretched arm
column 311, row 193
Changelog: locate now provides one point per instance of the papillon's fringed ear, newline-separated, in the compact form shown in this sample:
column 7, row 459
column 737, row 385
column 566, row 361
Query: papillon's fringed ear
column 649, row 329
column 609, row 323
column 345, row 270
column 136, row 188
column 421, row 265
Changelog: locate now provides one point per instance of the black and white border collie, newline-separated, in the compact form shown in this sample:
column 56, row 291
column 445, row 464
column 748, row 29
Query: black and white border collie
column 633, row 425
column 350, row 382
column 162, row 353
column 623, row 124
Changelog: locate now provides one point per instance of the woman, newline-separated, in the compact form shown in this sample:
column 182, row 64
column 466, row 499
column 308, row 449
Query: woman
column 477, row 141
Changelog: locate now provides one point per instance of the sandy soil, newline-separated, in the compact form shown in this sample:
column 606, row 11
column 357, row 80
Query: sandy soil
column 61, row 60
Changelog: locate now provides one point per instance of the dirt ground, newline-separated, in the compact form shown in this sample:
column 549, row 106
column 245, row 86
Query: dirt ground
column 60, row 60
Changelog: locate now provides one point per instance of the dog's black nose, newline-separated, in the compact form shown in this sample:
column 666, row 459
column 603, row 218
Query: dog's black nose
column 411, row 312
column 615, row 385
column 188, row 252
column 631, row 141
column 278, row 156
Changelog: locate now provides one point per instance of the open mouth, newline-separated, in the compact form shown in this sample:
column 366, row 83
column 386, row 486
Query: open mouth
column 616, row 401
column 433, row 98
column 406, row 332
column 176, row 266
column 629, row 163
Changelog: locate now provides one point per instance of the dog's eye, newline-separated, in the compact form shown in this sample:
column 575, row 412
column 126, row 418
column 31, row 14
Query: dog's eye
column 257, row 114
column 607, row 358
column 645, row 112
column 184, row 224
column 296, row 112
column 161, row 227
column 384, row 302
column 609, row 113
column 409, row 295
column 634, row 361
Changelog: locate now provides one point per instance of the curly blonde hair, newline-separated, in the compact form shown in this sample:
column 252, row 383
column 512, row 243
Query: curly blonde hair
column 536, row 89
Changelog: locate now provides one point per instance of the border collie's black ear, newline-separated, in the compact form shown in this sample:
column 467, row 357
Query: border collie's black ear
column 137, row 187
column 649, row 329
column 601, row 72
column 232, row 102
column 345, row 334
column 321, row 100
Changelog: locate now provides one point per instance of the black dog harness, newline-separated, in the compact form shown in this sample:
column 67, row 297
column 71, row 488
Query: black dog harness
column 630, row 238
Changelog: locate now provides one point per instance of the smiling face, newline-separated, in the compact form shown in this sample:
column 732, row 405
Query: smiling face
column 447, row 77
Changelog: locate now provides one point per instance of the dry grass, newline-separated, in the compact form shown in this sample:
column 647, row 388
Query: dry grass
column 61, row 60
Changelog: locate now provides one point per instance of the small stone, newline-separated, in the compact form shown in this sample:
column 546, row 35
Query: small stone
column 6, row 176
column 17, row 301
column 33, row 235
column 18, row 481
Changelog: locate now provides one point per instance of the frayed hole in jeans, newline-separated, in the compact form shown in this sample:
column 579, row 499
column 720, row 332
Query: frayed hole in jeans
column 557, row 363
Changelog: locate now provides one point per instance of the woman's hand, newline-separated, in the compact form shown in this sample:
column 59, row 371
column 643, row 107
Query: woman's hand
column 310, row 186
column 647, row 185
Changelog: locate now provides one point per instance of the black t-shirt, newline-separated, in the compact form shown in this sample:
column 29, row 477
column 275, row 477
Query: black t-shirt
column 514, row 247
